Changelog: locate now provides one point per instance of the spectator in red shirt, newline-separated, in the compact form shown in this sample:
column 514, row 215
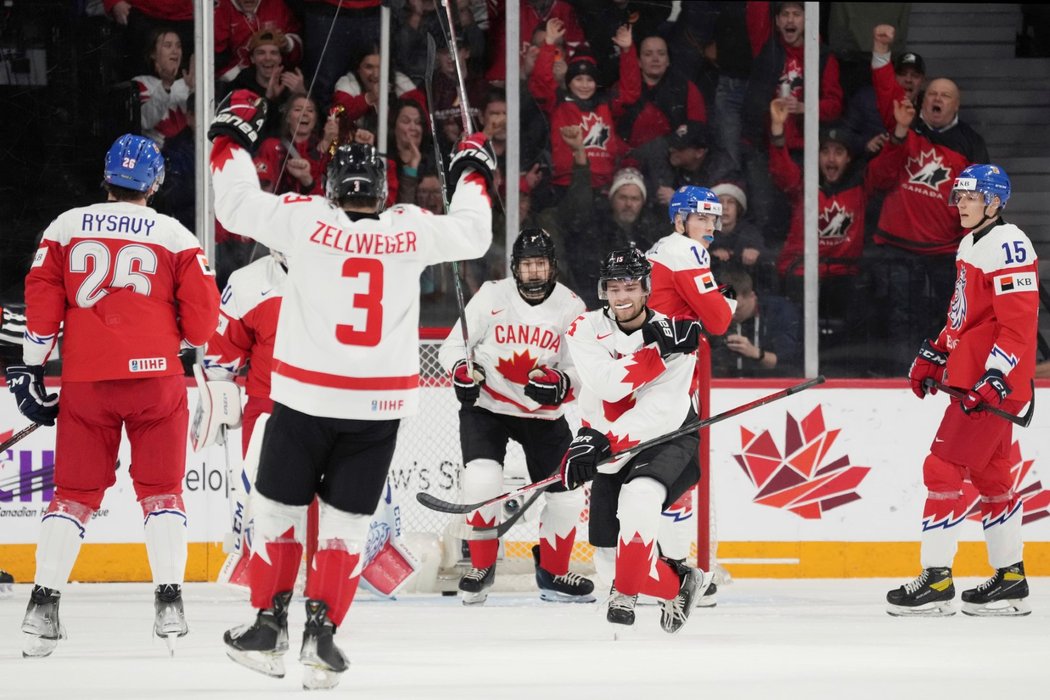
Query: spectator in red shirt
column 235, row 23
column 533, row 14
column 296, row 160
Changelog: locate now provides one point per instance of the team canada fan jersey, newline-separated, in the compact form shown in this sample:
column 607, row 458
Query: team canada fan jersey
column 510, row 339
column 994, row 313
column 683, row 286
column 163, row 110
column 251, row 305
column 627, row 391
column 129, row 284
column 348, row 333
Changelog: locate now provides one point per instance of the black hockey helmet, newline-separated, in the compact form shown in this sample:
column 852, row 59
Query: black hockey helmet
column 534, row 242
column 356, row 171
column 624, row 264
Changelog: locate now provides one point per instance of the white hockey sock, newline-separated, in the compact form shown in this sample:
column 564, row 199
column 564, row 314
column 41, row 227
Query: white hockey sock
column 678, row 527
column 61, row 534
column 605, row 566
column 482, row 480
column 942, row 515
column 166, row 537
column 1002, row 530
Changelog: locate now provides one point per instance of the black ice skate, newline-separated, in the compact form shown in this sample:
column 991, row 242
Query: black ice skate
column 475, row 584
column 710, row 597
column 323, row 662
column 694, row 582
column 169, row 622
column 41, row 628
column 260, row 646
column 567, row 588
column 621, row 607
column 7, row 584
column 930, row 594
column 1002, row 595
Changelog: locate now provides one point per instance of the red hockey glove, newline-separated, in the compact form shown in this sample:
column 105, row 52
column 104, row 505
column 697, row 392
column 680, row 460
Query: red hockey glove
column 672, row 335
column 930, row 363
column 580, row 463
column 547, row 386
column 990, row 389
column 26, row 382
column 240, row 116
column 468, row 388
column 471, row 153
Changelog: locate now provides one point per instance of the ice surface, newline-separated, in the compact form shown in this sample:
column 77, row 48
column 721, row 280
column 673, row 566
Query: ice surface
column 766, row 639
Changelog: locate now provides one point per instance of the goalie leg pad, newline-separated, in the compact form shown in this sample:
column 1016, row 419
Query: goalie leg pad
column 61, row 534
column 483, row 479
column 558, row 529
column 277, row 549
column 336, row 568
column 166, row 537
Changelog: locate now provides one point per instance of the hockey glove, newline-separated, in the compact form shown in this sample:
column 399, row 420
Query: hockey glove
column 468, row 388
column 240, row 116
column 27, row 384
column 547, row 386
column 672, row 335
column 930, row 363
column 473, row 154
column 580, row 463
column 991, row 389
column 728, row 291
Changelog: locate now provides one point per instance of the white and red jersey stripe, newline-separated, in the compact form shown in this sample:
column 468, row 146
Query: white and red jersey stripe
column 348, row 334
column 163, row 110
column 510, row 338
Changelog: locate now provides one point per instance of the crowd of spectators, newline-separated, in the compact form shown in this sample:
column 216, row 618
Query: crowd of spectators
column 622, row 103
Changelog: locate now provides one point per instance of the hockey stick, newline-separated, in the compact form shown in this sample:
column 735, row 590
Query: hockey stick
column 960, row 394
column 465, row 531
column 443, row 506
column 428, row 80
column 461, row 83
column 24, row 432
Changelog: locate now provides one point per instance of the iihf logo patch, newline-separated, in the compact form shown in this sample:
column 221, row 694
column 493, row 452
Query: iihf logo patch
column 148, row 364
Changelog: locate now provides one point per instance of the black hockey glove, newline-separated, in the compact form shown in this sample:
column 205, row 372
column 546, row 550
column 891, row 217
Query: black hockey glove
column 672, row 335
column 547, row 386
column 27, row 384
column 580, row 463
column 471, row 153
column 468, row 388
column 728, row 291
column 991, row 389
column 240, row 116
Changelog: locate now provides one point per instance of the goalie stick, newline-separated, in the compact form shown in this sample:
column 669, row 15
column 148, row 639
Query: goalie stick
column 956, row 393
column 443, row 506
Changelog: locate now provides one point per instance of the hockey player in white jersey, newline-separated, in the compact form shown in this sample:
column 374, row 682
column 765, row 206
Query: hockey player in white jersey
column 346, row 366
column 522, row 377
column 635, row 366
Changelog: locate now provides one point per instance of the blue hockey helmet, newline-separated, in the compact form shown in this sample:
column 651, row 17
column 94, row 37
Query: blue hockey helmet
column 134, row 163
column 690, row 199
column 991, row 180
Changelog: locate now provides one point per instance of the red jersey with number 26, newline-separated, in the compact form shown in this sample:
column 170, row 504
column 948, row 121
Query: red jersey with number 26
column 129, row 285
column 348, row 333
column 993, row 317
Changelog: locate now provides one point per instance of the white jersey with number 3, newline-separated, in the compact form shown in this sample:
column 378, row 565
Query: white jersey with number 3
column 348, row 335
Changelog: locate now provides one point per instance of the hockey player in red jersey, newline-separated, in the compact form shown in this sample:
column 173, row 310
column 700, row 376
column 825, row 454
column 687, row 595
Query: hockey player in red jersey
column 684, row 287
column 988, row 343
column 345, row 371
column 522, row 377
column 128, row 286
column 635, row 367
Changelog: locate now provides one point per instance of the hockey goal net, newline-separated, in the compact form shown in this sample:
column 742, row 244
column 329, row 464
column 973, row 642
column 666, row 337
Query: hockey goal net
column 428, row 459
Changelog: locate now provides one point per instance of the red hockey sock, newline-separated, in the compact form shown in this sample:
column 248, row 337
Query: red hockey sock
column 482, row 552
column 555, row 557
column 634, row 558
column 333, row 578
column 274, row 569
column 666, row 583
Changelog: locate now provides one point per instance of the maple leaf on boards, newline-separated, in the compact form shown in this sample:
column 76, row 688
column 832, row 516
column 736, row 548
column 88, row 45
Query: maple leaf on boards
column 517, row 368
column 645, row 367
column 1035, row 500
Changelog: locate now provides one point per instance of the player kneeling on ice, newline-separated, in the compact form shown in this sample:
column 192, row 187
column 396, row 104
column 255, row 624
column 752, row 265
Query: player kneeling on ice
column 345, row 367
column 989, row 344
column 635, row 367
column 130, row 287
column 520, row 379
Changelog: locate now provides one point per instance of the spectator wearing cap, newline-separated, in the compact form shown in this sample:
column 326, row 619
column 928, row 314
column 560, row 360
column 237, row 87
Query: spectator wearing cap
column 268, row 78
column 862, row 118
column 738, row 244
column 686, row 156
column 668, row 99
column 582, row 103
column 918, row 233
column 164, row 91
column 235, row 23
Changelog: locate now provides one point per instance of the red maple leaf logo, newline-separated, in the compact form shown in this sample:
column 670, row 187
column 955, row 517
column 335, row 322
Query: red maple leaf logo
column 222, row 153
column 645, row 367
column 617, row 443
column 517, row 368
column 615, row 409
column 1035, row 500
column 798, row 481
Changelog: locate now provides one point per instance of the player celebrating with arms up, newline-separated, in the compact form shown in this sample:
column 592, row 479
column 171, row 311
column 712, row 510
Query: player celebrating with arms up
column 522, row 377
column 345, row 371
column 635, row 367
column 988, row 343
